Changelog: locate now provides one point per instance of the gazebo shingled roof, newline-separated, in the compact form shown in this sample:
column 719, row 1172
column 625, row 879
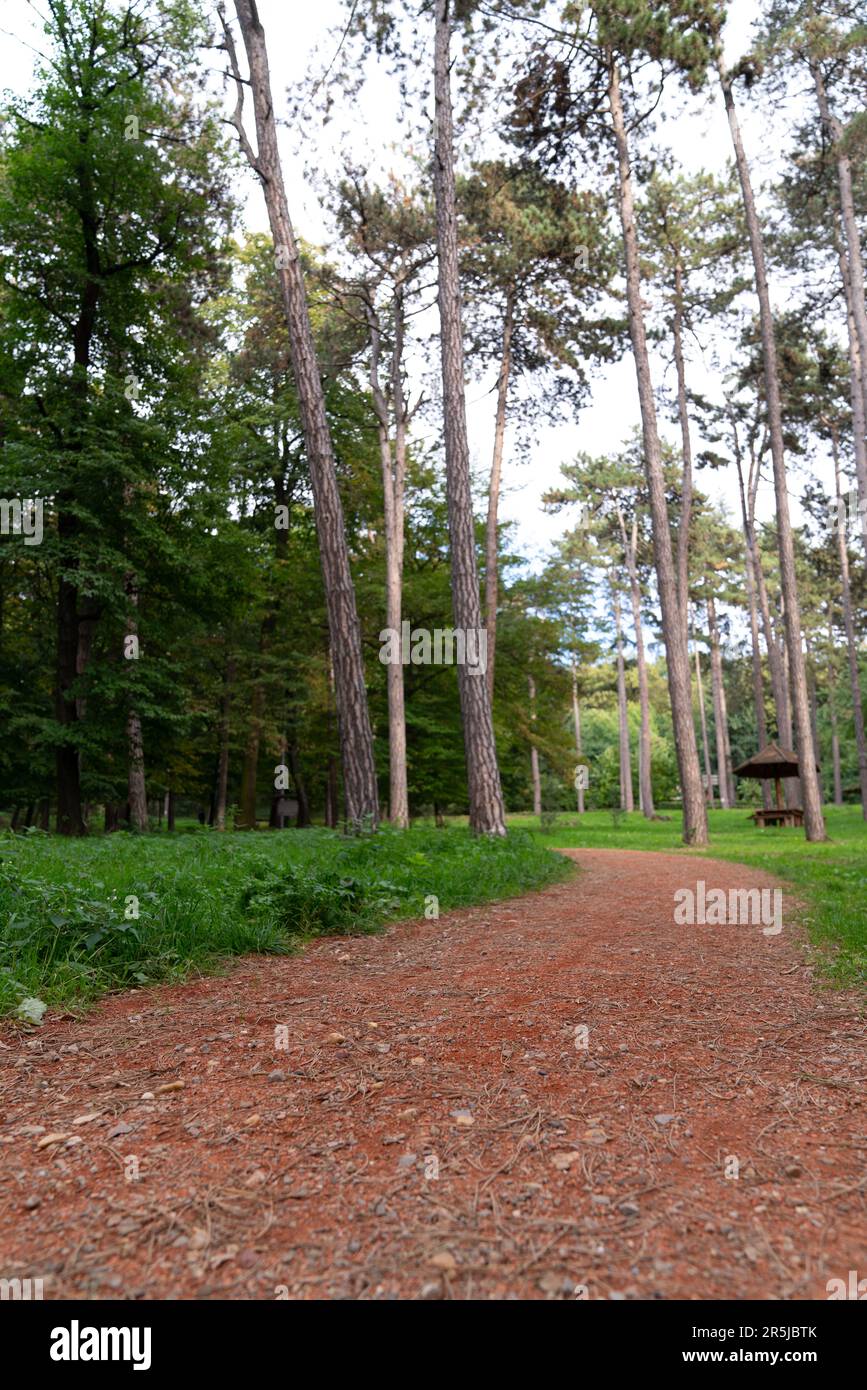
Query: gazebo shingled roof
column 770, row 761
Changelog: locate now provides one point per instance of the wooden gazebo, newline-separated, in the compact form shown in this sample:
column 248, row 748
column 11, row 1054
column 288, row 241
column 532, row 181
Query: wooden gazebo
column 775, row 762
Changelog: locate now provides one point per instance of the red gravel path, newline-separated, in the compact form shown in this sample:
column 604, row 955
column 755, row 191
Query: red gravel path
column 432, row 1129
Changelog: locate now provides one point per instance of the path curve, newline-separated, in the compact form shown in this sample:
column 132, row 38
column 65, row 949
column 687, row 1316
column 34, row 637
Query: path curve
column 431, row 1128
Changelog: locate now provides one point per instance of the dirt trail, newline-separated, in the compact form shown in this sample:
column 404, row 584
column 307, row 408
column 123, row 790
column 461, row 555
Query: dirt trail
column 431, row 1129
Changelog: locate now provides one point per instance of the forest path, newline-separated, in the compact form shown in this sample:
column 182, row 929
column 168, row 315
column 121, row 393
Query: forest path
column 432, row 1130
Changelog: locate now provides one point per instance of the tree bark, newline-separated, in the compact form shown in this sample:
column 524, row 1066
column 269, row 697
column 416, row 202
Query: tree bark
column 223, row 763
column 702, row 714
column 851, row 642
column 302, row 820
column 353, row 716
column 393, row 481
column 855, row 263
column 720, row 712
column 858, row 398
column 534, row 752
column 576, row 719
column 627, row 801
column 814, row 824
column 832, row 712
column 686, row 448
column 250, row 769
column 749, row 568
column 483, row 775
column 491, row 546
column 645, row 771
column 673, row 619
column 136, row 787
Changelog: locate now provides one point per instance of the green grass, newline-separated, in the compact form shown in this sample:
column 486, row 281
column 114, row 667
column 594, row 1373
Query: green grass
column 68, row 932
column 830, row 878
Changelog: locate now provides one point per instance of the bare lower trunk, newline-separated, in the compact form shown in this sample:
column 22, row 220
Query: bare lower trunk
column 250, row 769
column 136, row 788
column 708, row 776
column 720, row 712
column 353, row 717
column 576, row 719
column 491, row 549
column 814, row 711
column 302, row 820
column 483, row 775
column 750, row 573
column 832, row 711
column 627, row 801
column 792, row 786
column 223, row 760
column 69, row 817
column 534, row 752
column 851, row 646
column 393, row 475
column 673, row 619
column 332, row 808
column 645, row 772
column 814, row 824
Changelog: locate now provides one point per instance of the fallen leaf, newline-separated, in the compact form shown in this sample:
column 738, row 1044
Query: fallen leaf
column 47, row 1139
column 169, row 1086
column 564, row 1161
column 86, row 1119
column 444, row 1260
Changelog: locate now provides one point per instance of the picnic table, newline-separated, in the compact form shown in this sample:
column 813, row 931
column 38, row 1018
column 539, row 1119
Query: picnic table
column 778, row 815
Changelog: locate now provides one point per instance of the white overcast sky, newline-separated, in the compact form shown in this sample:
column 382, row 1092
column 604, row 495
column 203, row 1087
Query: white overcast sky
column 301, row 39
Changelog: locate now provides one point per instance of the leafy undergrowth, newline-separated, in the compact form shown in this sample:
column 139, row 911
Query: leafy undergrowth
column 830, row 878
column 79, row 918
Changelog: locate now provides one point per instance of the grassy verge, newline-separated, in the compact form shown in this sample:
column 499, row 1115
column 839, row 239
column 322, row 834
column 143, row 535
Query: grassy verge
column 830, row 878
column 79, row 918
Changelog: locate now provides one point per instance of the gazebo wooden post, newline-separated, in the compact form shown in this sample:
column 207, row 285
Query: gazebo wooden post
column 779, row 794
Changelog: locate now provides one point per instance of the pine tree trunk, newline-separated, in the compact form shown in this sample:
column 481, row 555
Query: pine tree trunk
column 353, row 717
column 250, row 768
column 855, row 263
column 750, row 575
column 645, row 771
column 792, row 785
column 302, row 820
column 393, row 476
column 720, row 712
column 858, row 398
column 483, row 775
column 814, row 711
column 136, row 787
column 708, row 778
column 627, row 801
column 576, row 720
column 534, row 752
column 686, row 448
column 223, row 763
column 851, row 643
column 673, row 619
column 69, row 818
column 832, row 712
column 491, row 547
column 814, row 824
